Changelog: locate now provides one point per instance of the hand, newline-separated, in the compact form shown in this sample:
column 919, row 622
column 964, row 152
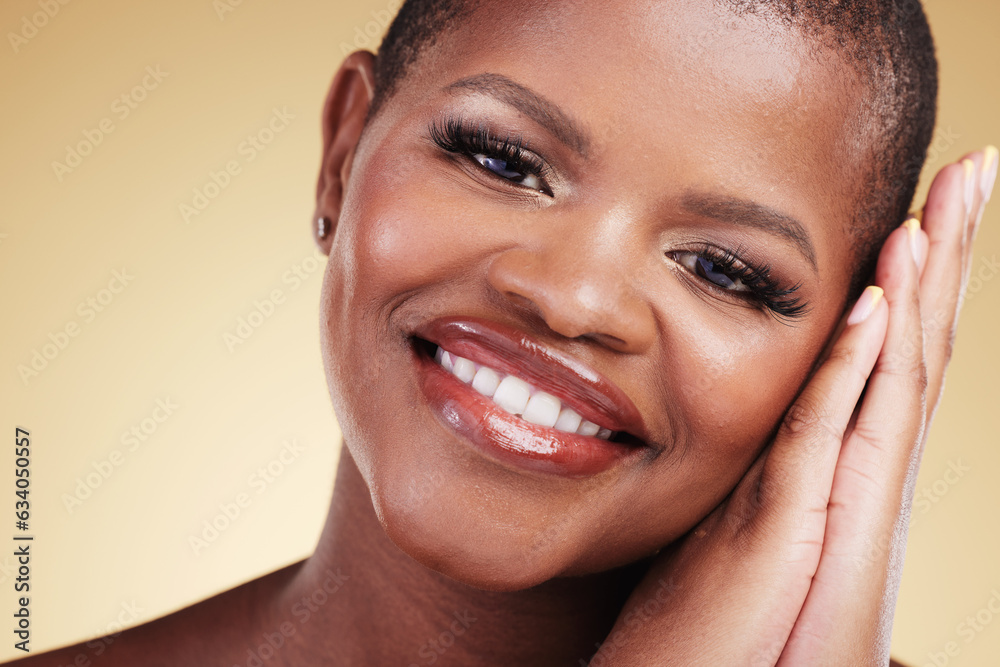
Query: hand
column 801, row 564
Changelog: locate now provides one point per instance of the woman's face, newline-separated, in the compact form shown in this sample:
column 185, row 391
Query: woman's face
column 682, row 170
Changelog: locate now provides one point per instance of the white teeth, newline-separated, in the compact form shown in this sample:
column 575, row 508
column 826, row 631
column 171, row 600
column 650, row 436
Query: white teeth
column 447, row 361
column 543, row 409
column 568, row 420
column 512, row 395
column 517, row 397
column 486, row 381
column 464, row 369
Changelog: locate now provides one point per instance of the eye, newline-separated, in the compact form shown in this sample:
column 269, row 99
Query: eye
column 712, row 271
column 504, row 169
column 725, row 271
column 503, row 156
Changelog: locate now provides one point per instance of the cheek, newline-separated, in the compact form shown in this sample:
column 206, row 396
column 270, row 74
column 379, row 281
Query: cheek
column 732, row 385
column 402, row 233
column 395, row 243
column 725, row 387
column 391, row 240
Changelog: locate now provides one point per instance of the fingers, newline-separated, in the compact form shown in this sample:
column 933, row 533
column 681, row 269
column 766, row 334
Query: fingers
column 870, row 486
column 985, row 168
column 953, row 210
column 923, row 272
column 944, row 223
column 798, row 472
column 878, row 456
column 972, row 165
column 782, row 537
column 991, row 161
column 984, row 175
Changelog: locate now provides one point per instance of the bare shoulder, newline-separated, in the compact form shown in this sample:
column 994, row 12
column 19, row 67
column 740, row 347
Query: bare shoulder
column 204, row 633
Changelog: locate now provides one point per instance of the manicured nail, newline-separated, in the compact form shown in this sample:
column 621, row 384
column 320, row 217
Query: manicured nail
column 991, row 157
column 970, row 184
column 866, row 304
column 913, row 231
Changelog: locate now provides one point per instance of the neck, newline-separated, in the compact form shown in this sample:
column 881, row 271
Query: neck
column 360, row 600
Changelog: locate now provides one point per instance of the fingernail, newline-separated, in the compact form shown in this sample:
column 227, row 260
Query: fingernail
column 991, row 157
column 866, row 305
column 913, row 231
column 970, row 184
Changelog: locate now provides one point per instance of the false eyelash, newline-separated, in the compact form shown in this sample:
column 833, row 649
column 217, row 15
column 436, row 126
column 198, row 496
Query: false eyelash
column 455, row 135
column 463, row 138
column 781, row 302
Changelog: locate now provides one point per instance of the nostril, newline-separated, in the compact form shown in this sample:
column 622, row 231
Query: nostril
column 614, row 342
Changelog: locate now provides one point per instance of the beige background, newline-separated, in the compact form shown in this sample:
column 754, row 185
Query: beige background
column 121, row 552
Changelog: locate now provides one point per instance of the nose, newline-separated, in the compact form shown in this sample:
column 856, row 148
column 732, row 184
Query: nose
column 580, row 281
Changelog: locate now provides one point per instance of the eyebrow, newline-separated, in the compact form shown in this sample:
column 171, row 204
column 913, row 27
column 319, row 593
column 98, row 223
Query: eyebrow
column 748, row 213
column 531, row 104
column 547, row 114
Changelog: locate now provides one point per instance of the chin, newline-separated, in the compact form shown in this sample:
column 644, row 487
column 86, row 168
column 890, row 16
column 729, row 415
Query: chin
column 449, row 536
column 457, row 545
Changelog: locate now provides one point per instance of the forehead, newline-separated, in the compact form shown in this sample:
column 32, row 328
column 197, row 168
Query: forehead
column 687, row 92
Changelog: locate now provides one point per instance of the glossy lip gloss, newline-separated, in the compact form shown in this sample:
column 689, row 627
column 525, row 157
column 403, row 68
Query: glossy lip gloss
column 505, row 438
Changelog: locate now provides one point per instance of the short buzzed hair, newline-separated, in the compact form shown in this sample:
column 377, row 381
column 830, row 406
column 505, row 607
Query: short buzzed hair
column 416, row 28
column 888, row 42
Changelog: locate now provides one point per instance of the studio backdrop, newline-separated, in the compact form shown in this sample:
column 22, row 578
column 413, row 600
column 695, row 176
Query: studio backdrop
column 159, row 293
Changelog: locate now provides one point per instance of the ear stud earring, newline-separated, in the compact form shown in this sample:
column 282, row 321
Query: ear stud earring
column 323, row 227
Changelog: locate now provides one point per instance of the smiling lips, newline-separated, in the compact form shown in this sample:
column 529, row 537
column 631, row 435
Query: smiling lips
column 522, row 404
column 518, row 397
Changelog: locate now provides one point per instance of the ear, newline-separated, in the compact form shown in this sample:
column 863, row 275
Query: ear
column 343, row 119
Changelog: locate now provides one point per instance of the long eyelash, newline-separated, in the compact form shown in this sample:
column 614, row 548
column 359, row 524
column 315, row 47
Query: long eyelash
column 455, row 135
column 765, row 289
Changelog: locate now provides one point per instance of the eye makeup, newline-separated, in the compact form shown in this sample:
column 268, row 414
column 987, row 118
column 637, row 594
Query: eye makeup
column 725, row 272
column 502, row 156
